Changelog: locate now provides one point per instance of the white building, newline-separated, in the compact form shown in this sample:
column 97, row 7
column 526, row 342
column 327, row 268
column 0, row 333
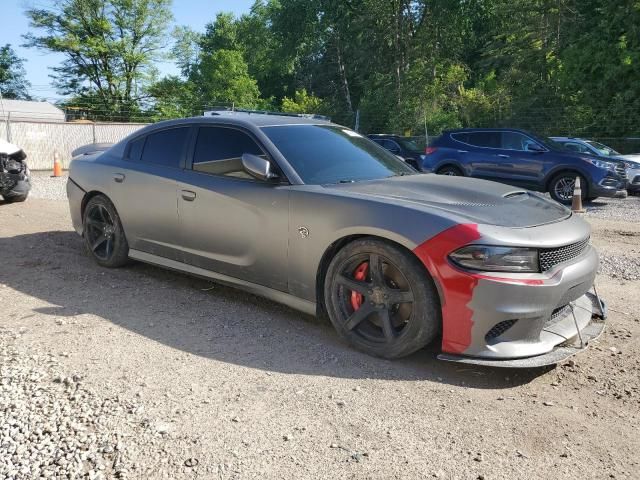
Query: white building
column 28, row 111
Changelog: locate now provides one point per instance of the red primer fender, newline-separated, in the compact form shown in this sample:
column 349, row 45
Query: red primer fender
column 457, row 287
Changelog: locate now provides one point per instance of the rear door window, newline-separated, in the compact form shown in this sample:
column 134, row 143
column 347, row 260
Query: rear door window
column 479, row 139
column 165, row 147
column 219, row 151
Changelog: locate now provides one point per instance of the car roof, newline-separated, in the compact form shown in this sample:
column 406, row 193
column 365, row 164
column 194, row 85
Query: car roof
column 574, row 139
column 246, row 119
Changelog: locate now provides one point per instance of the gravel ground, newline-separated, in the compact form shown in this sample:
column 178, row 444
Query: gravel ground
column 144, row 373
column 53, row 427
column 46, row 187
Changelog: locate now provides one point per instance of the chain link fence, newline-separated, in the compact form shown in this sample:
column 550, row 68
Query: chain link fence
column 41, row 139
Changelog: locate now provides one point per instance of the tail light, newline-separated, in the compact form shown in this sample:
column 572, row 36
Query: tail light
column 430, row 150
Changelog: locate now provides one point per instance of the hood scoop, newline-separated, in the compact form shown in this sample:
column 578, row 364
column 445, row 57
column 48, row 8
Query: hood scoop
column 521, row 194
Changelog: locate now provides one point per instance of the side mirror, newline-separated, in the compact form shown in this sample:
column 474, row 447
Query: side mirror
column 534, row 147
column 257, row 167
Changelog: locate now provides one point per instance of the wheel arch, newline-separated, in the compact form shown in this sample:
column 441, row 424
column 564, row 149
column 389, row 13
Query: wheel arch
column 88, row 196
column 562, row 170
column 332, row 250
column 450, row 163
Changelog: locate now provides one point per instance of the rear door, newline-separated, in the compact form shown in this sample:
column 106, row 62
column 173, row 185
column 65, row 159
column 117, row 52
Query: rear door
column 230, row 222
column 144, row 191
column 481, row 153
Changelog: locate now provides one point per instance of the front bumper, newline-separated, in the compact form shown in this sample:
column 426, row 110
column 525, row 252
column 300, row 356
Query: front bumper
column 590, row 321
column 634, row 180
column 519, row 318
column 15, row 184
column 611, row 187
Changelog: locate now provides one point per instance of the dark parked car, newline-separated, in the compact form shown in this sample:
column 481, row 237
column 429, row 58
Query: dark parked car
column 403, row 147
column 519, row 158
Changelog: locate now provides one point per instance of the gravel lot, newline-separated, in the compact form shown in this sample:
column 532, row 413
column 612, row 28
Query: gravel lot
column 144, row 373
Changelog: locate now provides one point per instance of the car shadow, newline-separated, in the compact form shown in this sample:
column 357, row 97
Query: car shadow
column 211, row 320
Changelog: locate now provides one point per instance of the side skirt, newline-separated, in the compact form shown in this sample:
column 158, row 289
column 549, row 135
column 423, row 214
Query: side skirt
column 260, row 290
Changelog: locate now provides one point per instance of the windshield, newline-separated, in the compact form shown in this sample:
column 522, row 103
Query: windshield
column 410, row 145
column 602, row 149
column 324, row 154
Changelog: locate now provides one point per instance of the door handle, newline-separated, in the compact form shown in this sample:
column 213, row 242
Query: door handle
column 118, row 177
column 463, row 151
column 188, row 195
column 502, row 155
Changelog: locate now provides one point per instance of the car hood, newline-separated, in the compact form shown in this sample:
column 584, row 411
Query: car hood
column 635, row 158
column 467, row 199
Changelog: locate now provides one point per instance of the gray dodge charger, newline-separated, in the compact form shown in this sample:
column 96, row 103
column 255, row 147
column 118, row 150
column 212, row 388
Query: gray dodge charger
column 318, row 217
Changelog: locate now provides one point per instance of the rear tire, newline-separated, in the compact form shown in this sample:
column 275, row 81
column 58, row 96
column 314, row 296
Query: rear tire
column 450, row 170
column 103, row 234
column 381, row 300
column 561, row 187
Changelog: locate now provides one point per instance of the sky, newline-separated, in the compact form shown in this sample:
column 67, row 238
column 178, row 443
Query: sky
column 14, row 24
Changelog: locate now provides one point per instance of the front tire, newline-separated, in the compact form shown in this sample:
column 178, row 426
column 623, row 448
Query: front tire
column 103, row 234
column 381, row 300
column 561, row 187
column 15, row 198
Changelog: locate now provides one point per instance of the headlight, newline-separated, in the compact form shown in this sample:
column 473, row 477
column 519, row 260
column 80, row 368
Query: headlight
column 603, row 164
column 497, row 259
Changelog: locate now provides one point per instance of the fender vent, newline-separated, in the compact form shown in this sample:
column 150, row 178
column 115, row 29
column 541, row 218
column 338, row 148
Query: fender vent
column 499, row 328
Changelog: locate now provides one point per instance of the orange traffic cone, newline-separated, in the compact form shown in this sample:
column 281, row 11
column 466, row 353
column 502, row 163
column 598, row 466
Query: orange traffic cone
column 57, row 165
column 576, row 201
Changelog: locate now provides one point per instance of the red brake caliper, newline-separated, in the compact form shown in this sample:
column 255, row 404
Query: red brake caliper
column 360, row 274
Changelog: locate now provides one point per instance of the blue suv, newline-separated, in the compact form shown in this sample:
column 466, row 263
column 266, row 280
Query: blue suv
column 519, row 158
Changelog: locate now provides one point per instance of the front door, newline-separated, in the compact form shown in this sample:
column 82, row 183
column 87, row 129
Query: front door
column 230, row 222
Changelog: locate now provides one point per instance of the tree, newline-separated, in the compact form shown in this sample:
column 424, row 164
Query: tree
column 222, row 77
column 302, row 103
column 109, row 47
column 13, row 83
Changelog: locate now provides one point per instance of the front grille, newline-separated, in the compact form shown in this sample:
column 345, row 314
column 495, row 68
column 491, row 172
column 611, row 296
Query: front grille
column 499, row 329
column 621, row 170
column 550, row 257
column 610, row 182
column 557, row 315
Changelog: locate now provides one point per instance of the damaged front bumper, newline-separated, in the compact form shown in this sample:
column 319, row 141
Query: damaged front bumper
column 15, row 178
column 582, row 322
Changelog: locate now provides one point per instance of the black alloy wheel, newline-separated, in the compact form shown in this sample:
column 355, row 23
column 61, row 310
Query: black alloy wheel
column 381, row 300
column 103, row 233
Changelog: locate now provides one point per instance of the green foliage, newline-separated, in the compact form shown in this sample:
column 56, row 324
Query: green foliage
column 13, row 82
column 302, row 103
column 553, row 66
column 109, row 46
